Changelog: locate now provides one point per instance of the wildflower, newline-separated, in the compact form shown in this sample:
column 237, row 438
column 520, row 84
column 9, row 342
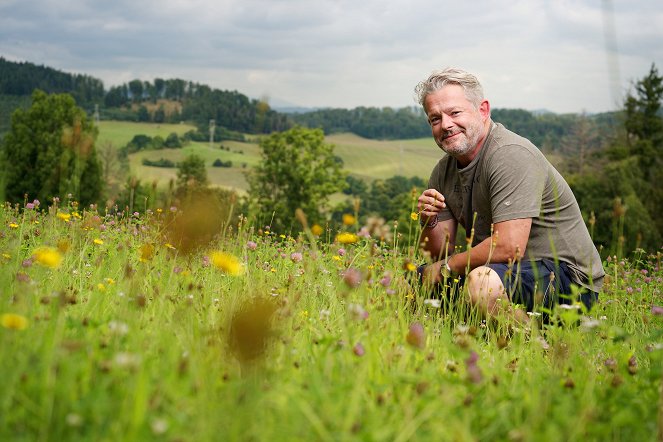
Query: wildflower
column 656, row 310
column 227, row 263
column 64, row 216
column 357, row 312
column 118, row 328
column 101, row 287
column 324, row 314
column 386, row 280
column 13, row 225
column 341, row 252
column 109, row 281
column 416, row 336
column 169, row 246
column 409, row 266
column 296, row 257
column 352, row 277
column 349, row 219
column 474, row 374
column 251, row 245
column 435, row 303
column 159, row 426
column 6, row 256
column 98, row 241
column 146, row 252
column 14, row 321
column 74, row 420
column 347, row 238
column 63, row 245
column 316, row 230
column 47, row 257
column 206, row 261
column 414, row 216
column 358, row 349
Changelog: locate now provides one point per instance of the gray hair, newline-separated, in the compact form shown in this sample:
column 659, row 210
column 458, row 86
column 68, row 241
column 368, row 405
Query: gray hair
column 438, row 79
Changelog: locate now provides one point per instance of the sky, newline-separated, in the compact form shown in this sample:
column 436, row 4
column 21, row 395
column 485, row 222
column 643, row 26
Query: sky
column 558, row 55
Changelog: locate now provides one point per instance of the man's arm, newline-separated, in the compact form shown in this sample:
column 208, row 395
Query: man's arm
column 508, row 242
column 440, row 240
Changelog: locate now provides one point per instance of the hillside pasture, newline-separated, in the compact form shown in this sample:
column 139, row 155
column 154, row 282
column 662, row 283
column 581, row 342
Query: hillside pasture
column 363, row 158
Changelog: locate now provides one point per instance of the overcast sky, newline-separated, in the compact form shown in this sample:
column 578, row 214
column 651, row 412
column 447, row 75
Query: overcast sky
column 560, row 55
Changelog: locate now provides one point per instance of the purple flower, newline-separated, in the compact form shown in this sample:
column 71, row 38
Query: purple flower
column 352, row 277
column 657, row 310
column 357, row 312
column 358, row 349
column 29, row 206
column 386, row 280
column 341, row 251
column 251, row 245
column 296, row 257
column 416, row 336
column 474, row 374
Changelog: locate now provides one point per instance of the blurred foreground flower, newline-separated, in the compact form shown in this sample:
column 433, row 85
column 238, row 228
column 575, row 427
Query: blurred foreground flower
column 416, row 336
column 352, row 277
column 316, row 229
column 473, row 371
column 347, row 238
column 227, row 263
column 349, row 219
column 13, row 321
column 146, row 252
column 251, row 330
column 47, row 257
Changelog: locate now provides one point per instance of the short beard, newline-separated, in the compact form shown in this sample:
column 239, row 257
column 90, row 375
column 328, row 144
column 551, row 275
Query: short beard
column 472, row 135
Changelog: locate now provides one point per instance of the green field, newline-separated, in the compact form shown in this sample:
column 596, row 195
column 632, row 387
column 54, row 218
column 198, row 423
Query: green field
column 363, row 158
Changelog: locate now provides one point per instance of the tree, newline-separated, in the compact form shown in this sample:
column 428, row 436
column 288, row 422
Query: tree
column 191, row 174
column 49, row 151
column 298, row 170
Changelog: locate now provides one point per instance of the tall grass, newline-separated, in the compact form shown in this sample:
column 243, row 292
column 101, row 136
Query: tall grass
column 128, row 338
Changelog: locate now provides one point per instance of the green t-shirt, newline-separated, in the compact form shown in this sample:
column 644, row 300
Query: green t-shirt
column 511, row 179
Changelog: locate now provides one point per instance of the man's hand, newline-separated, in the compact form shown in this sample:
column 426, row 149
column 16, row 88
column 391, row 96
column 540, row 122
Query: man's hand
column 430, row 203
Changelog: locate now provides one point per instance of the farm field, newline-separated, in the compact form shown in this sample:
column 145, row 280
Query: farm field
column 110, row 331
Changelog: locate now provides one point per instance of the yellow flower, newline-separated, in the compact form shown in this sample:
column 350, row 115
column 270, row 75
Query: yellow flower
column 98, row 241
column 48, row 257
column 101, row 287
column 6, row 256
column 64, row 216
column 76, row 215
column 110, row 281
column 316, row 230
column 63, row 245
column 347, row 238
column 13, row 225
column 227, row 263
column 146, row 252
column 414, row 216
column 159, row 210
column 282, row 236
column 169, row 246
column 409, row 266
column 349, row 219
column 14, row 321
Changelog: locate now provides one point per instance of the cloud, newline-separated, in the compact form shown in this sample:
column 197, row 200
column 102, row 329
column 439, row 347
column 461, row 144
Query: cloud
column 341, row 53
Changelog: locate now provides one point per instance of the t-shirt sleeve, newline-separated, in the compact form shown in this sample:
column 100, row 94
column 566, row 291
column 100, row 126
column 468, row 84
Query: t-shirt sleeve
column 516, row 181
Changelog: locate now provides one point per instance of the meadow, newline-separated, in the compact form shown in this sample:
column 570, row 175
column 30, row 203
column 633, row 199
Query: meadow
column 363, row 158
column 112, row 330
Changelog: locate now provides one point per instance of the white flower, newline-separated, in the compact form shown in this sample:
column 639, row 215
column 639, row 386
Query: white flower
column 435, row 303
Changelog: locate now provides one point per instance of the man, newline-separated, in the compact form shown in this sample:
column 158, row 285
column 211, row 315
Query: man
column 529, row 243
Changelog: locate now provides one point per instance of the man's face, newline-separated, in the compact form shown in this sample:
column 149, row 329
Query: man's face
column 458, row 127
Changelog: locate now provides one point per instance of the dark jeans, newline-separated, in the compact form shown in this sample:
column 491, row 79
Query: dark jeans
column 541, row 283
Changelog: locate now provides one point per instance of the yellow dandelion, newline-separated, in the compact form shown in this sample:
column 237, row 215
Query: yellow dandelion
column 336, row 258
column 101, row 287
column 13, row 225
column 64, row 216
column 48, row 257
column 349, row 219
column 282, row 236
column 63, row 245
column 347, row 238
column 146, row 252
column 414, row 216
column 316, row 229
column 227, row 263
column 409, row 267
column 110, row 281
column 76, row 215
column 98, row 241
column 14, row 321
column 159, row 210
column 303, row 314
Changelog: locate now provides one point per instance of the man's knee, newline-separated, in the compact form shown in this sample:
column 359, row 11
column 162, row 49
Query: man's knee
column 484, row 287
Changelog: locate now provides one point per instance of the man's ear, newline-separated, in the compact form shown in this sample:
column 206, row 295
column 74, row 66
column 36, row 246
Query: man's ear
column 484, row 109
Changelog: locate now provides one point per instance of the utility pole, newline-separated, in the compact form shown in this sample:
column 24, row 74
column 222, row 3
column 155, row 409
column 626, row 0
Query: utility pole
column 212, row 127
